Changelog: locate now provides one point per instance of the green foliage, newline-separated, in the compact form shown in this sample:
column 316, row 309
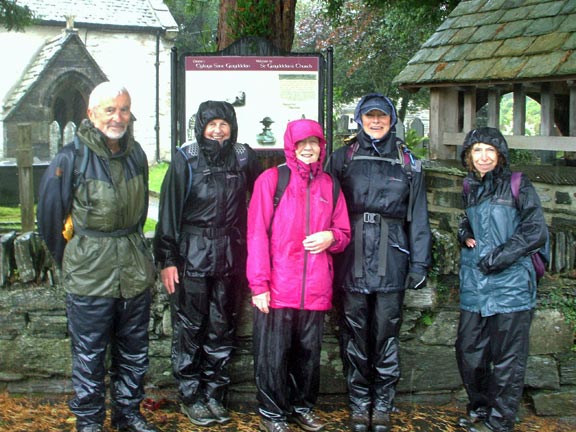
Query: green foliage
column 414, row 143
column 563, row 299
column 251, row 18
column 13, row 16
column 156, row 176
column 149, row 226
column 427, row 318
column 197, row 23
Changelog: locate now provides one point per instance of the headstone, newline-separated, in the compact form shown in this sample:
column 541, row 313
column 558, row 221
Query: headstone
column 418, row 126
column 55, row 138
column 69, row 132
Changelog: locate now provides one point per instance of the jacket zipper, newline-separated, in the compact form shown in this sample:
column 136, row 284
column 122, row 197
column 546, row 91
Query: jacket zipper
column 307, row 232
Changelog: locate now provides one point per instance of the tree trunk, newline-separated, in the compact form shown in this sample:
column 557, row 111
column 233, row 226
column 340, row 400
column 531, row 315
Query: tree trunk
column 272, row 19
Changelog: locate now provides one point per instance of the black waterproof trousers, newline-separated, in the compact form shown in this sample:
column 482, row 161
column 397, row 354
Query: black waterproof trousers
column 203, row 321
column 287, row 345
column 369, row 346
column 492, row 353
column 94, row 324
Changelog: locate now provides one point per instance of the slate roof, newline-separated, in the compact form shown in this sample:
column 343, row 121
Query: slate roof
column 45, row 56
column 137, row 14
column 491, row 41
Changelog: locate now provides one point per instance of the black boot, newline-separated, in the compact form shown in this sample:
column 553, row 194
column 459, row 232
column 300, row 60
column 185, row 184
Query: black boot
column 359, row 421
column 381, row 421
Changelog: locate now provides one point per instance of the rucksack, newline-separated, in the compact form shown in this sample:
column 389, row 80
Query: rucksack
column 190, row 152
column 541, row 257
column 284, row 178
column 405, row 158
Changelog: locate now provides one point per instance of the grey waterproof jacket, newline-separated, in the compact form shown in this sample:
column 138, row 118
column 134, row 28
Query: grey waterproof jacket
column 497, row 275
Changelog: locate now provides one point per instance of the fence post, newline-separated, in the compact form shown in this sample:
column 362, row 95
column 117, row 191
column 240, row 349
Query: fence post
column 25, row 177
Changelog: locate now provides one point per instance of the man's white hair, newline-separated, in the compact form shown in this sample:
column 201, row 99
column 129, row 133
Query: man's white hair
column 106, row 90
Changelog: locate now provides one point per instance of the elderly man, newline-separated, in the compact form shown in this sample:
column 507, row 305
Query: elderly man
column 93, row 204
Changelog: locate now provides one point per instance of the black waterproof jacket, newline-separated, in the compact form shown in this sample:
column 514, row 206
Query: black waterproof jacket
column 497, row 275
column 378, row 192
column 202, row 215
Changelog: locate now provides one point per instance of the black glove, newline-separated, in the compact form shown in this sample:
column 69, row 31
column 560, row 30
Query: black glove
column 484, row 265
column 415, row 281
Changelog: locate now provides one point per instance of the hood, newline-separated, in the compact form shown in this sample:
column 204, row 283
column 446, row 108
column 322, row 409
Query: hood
column 210, row 110
column 95, row 140
column 375, row 101
column 485, row 135
column 298, row 130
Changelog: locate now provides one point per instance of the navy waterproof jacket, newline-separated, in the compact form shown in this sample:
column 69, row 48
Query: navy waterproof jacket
column 506, row 231
column 384, row 194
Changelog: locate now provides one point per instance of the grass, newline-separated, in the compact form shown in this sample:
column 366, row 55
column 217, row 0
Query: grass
column 157, row 173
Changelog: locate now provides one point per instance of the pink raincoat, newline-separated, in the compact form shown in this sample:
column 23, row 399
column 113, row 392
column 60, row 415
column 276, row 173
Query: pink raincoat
column 277, row 261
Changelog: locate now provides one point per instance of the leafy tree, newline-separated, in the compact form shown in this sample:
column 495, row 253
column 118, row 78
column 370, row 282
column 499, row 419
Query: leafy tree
column 197, row 24
column 373, row 40
column 14, row 16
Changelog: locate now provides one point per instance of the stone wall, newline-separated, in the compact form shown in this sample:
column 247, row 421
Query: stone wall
column 35, row 352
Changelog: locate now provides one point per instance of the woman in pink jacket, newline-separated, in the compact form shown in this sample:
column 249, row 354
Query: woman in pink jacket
column 290, row 273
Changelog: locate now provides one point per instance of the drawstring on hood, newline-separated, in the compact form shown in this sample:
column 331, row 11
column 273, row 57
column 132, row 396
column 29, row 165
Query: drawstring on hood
column 299, row 130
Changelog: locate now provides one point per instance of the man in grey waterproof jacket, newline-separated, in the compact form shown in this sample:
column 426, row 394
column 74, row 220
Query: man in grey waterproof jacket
column 92, row 207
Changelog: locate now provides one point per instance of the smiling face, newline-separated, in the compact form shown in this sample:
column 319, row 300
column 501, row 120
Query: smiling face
column 112, row 116
column 376, row 124
column 217, row 130
column 308, row 150
column 484, row 157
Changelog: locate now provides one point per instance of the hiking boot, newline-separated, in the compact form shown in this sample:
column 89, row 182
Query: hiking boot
column 267, row 425
column 307, row 421
column 135, row 424
column 381, row 421
column 359, row 421
column 480, row 427
column 474, row 416
column 198, row 414
column 90, row 428
column 217, row 409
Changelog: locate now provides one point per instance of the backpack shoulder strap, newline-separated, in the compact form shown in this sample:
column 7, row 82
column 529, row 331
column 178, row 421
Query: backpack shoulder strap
column 241, row 155
column 515, row 184
column 335, row 189
column 283, row 179
column 189, row 152
column 83, row 151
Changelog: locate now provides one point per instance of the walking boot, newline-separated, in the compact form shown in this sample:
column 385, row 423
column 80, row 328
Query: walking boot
column 381, row 421
column 478, row 415
column 359, row 421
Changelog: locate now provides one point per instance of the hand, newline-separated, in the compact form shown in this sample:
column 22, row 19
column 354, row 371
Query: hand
column 262, row 301
column 170, row 279
column 415, row 281
column 484, row 265
column 470, row 242
column 318, row 242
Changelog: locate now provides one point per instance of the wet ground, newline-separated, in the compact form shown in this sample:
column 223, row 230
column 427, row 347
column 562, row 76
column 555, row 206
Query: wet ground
column 19, row 414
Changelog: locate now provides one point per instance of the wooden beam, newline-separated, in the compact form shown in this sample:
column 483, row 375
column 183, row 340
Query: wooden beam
column 519, row 110
column 494, row 108
column 443, row 118
column 469, row 114
column 549, row 143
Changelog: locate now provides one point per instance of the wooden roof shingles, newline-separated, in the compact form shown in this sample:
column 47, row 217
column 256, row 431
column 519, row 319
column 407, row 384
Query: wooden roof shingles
column 497, row 41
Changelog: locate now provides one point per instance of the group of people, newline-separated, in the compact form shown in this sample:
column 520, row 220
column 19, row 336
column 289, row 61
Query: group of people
column 350, row 229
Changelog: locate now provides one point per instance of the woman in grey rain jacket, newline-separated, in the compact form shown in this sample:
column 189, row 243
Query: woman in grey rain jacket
column 497, row 282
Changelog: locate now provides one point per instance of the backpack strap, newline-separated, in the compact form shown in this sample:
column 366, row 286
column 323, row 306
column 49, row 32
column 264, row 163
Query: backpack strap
column 515, row 184
column 283, row 179
column 80, row 167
